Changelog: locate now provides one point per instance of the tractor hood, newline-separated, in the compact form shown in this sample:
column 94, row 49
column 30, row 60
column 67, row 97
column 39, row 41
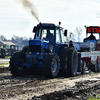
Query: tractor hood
column 37, row 45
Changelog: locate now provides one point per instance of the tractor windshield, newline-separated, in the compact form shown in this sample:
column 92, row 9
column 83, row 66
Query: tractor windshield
column 45, row 34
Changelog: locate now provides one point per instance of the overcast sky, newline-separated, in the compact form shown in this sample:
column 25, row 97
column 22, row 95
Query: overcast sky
column 16, row 20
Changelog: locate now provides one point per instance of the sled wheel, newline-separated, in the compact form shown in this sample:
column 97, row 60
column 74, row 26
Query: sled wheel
column 72, row 62
column 51, row 65
column 15, row 62
column 98, row 65
column 94, row 68
column 82, row 66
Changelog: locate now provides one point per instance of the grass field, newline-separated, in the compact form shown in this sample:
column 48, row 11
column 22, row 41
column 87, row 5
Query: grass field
column 7, row 56
column 4, row 65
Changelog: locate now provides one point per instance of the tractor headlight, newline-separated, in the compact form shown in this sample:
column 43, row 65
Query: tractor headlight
column 51, row 47
column 29, row 53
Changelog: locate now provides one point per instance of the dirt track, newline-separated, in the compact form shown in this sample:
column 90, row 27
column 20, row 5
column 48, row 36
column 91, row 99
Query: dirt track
column 32, row 87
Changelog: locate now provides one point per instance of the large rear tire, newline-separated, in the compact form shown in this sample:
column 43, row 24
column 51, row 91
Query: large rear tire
column 63, row 61
column 15, row 61
column 72, row 62
column 51, row 65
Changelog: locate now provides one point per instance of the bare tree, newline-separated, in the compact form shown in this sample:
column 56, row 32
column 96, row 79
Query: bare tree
column 25, row 38
column 79, row 32
column 2, row 38
column 15, row 39
column 72, row 36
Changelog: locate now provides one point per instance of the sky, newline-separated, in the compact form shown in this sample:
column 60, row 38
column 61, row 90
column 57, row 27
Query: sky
column 17, row 20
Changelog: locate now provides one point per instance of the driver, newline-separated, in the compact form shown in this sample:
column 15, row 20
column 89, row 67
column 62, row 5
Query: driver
column 91, row 37
column 50, row 36
column 71, row 44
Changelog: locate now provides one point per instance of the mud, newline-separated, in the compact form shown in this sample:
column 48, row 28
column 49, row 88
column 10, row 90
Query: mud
column 40, row 88
column 78, row 92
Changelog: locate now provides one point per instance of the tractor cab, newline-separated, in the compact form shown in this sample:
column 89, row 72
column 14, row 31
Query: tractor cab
column 49, row 33
column 45, row 33
column 47, row 39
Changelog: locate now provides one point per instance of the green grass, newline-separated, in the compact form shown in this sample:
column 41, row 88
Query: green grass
column 4, row 67
column 95, row 98
column 7, row 56
column 4, row 64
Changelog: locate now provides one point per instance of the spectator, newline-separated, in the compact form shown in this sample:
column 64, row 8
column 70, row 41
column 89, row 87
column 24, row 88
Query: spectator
column 71, row 44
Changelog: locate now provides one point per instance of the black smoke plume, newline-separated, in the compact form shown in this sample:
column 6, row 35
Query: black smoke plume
column 28, row 5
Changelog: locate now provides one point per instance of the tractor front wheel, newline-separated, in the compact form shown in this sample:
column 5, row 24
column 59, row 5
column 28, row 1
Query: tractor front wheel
column 51, row 65
column 15, row 67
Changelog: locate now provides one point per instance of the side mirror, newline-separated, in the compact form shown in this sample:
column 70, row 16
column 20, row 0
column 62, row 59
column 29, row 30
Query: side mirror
column 65, row 33
column 34, row 29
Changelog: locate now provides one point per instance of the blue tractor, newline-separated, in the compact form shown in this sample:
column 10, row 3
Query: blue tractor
column 48, row 52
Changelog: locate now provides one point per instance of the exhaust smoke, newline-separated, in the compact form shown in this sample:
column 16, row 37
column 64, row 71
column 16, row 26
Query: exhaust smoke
column 28, row 5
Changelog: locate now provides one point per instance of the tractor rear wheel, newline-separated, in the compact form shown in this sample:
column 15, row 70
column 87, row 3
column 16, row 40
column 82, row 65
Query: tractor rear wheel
column 63, row 61
column 15, row 61
column 51, row 65
column 72, row 62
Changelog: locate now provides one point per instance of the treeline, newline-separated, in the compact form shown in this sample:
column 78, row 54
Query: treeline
column 21, row 41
